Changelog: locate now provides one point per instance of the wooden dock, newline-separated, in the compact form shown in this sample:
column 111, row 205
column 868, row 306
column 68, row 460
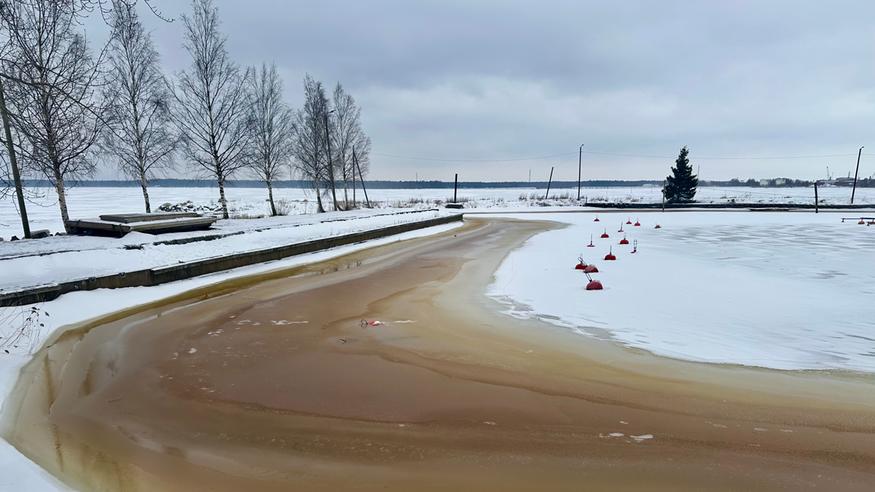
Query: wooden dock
column 117, row 225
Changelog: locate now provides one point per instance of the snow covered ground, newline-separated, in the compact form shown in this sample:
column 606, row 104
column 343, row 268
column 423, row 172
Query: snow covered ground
column 778, row 290
column 16, row 471
column 57, row 259
column 85, row 202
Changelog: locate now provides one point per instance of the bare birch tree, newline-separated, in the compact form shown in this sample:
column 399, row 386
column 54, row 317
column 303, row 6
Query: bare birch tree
column 52, row 90
column 272, row 128
column 347, row 135
column 139, row 116
column 210, row 107
column 308, row 145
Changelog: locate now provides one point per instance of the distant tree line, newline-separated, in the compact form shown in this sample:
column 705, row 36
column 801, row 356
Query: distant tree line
column 65, row 105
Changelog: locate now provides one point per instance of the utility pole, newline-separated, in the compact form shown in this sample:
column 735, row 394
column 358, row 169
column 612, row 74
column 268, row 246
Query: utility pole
column 456, row 189
column 13, row 163
column 856, row 174
column 815, row 198
column 579, row 163
column 549, row 183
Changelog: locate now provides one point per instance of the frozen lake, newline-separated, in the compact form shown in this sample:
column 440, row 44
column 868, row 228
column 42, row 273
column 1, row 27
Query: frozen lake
column 89, row 201
column 777, row 290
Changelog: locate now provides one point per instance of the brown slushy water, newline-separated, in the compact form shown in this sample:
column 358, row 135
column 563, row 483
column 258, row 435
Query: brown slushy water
column 275, row 383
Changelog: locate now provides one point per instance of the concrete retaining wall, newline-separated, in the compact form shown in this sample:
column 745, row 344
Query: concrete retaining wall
column 156, row 276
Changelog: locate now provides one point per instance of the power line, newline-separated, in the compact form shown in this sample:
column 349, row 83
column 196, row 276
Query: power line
column 614, row 154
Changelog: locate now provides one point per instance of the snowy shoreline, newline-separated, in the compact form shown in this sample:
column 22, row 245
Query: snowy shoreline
column 786, row 291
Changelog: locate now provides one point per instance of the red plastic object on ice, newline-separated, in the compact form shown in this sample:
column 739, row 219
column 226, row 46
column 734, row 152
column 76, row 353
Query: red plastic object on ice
column 596, row 219
column 580, row 266
column 629, row 221
column 593, row 284
column 637, row 223
column 610, row 256
column 591, row 269
column 624, row 241
column 861, row 222
column 605, row 234
column 658, row 226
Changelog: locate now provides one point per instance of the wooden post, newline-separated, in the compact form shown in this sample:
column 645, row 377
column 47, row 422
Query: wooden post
column 856, row 173
column 355, row 161
column 549, row 183
column 579, row 163
column 815, row 198
column 456, row 189
column 663, row 195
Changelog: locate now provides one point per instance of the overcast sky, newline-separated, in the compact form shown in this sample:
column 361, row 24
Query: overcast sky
column 493, row 89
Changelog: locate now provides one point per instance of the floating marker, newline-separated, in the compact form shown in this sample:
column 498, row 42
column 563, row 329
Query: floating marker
column 593, row 284
column 605, row 234
column 610, row 256
column 624, row 240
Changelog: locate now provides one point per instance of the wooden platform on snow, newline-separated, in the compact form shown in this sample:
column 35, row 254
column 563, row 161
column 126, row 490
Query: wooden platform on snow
column 118, row 225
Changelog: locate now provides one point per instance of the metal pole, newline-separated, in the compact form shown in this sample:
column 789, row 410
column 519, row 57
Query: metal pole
column 549, row 183
column 355, row 161
column 579, row 163
column 456, row 189
column 663, row 195
column 13, row 163
column 856, row 173
column 815, row 198
column 330, row 162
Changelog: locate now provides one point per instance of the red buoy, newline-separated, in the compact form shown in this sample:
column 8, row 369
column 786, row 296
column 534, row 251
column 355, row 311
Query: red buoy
column 605, row 234
column 590, row 269
column 624, row 240
column 610, row 256
column 593, row 284
column 658, row 226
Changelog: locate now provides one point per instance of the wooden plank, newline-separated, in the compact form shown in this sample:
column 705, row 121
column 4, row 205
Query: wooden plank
column 128, row 218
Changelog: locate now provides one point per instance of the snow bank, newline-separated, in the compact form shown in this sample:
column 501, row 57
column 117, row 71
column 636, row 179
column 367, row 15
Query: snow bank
column 85, row 202
column 776, row 290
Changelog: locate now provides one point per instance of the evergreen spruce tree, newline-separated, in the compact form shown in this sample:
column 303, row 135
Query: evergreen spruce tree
column 681, row 186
